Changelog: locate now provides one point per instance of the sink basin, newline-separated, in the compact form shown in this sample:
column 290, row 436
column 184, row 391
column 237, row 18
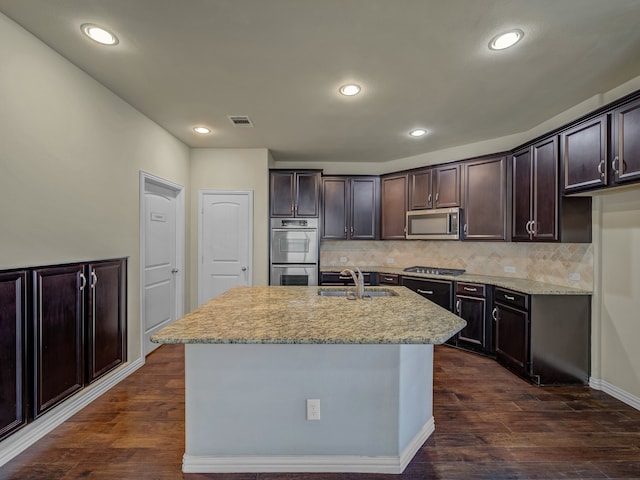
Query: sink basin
column 350, row 292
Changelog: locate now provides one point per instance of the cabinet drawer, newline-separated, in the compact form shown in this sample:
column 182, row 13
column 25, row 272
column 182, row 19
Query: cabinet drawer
column 509, row 297
column 470, row 289
column 438, row 291
column 388, row 279
column 334, row 278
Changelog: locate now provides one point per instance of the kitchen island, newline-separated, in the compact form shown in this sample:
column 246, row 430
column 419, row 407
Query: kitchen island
column 255, row 355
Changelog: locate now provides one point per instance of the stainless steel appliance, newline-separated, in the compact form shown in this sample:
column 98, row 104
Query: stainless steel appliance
column 434, row 224
column 435, row 270
column 294, row 240
column 294, row 251
column 291, row 274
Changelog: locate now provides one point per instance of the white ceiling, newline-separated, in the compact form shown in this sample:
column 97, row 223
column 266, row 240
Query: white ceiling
column 420, row 63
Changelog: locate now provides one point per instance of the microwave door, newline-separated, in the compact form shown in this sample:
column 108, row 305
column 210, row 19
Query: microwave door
column 430, row 225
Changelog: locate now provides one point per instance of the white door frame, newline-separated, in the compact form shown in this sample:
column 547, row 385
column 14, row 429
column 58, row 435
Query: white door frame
column 146, row 179
column 201, row 194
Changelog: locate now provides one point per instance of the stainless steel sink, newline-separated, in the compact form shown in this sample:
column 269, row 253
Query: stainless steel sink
column 351, row 294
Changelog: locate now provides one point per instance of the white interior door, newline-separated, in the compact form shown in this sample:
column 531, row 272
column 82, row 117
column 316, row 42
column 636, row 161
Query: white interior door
column 162, row 223
column 225, row 242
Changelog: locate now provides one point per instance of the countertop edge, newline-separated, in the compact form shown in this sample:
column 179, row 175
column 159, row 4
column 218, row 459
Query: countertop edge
column 522, row 285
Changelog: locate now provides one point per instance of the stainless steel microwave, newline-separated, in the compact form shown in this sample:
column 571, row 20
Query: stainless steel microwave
column 435, row 224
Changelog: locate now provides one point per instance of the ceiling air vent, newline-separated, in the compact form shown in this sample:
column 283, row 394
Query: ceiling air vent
column 240, row 120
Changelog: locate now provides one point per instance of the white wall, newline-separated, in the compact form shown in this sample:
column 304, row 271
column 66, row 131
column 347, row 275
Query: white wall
column 615, row 317
column 70, row 153
column 471, row 150
column 232, row 169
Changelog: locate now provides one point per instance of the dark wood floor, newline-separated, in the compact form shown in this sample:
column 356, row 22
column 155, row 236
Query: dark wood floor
column 489, row 425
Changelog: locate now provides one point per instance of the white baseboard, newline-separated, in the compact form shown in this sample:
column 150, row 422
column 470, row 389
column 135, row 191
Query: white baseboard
column 34, row 431
column 615, row 392
column 308, row 463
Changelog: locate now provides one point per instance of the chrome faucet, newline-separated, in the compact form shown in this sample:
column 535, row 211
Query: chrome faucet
column 357, row 280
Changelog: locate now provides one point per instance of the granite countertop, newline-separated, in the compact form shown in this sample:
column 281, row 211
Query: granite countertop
column 299, row 315
column 522, row 285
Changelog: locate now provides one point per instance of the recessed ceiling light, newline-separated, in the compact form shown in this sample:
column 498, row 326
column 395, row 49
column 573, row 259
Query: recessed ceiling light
column 202, row 130
column 506, row 39
column 350, row 89
column 99, row 34
column 418, row 132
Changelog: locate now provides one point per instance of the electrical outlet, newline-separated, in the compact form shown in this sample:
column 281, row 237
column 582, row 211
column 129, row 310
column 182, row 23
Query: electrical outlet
column 390, row 260
column 313, row 409
column 343, row 259
column 574, row 276
column 509, row 269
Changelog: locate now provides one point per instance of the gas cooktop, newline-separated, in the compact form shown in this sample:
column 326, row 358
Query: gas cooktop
column 435, row 270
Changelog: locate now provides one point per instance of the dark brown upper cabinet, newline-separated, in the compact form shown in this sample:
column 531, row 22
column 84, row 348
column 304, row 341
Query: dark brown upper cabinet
column 538, row 211
column 13, row 351
column 295, row 193
column 420, row 194
column 584, row 155
column 435, row 187
column 625, row 165
column 350, row 207
column 535, row 192
column 485, row 199
column 393, row 206
column 447, row 186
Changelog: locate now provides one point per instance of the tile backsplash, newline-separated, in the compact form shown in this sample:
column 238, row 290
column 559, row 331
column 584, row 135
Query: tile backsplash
column 569, row 264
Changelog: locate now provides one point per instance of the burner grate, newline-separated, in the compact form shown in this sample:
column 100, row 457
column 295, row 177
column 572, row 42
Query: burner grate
column 435, row 270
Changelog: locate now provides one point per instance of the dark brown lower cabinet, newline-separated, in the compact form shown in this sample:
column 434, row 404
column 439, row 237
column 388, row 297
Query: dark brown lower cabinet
column 61, row 327
column 58, row 346
column 544, row 338
column 439, row 292
column 511, row 316
column 472, row 305
column 106, row 314
column 13, row 393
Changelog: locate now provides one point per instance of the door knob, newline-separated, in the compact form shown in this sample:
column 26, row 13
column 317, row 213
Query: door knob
column 174, row 270
column 244, row 269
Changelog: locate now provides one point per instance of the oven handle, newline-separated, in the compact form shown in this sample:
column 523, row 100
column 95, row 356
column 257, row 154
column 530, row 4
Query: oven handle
column 291, row 230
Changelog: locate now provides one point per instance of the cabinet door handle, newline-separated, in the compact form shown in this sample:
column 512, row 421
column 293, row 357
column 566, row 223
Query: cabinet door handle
column 437, row 197
column 429, row 200
column 470, row 289
column 509, row 297
column 465, row 229
column 94, row 279
column 494, row 314
column 388, row 279
column 428, row 292
column 352, row 231
column 600, row 168
column 83, row 280
column 458, row 306
column 613, row 165
column 530, row 227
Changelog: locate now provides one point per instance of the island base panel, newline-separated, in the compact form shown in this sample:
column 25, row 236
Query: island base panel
column 246, row 407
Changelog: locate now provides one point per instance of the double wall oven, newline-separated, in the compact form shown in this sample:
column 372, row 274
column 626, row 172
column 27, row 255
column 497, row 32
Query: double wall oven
column 294, row 251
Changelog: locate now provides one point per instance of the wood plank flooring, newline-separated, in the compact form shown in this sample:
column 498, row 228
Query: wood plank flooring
column 490, row 424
